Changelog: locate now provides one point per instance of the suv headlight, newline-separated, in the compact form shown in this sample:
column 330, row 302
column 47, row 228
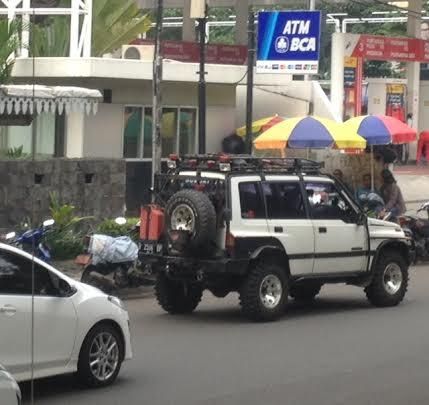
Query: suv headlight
column 117, row 301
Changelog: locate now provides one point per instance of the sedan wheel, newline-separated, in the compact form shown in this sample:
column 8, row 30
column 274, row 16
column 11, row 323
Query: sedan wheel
column 104, row 356
column 101, row 356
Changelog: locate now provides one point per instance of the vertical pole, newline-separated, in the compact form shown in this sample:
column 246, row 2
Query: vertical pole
column 311, row 7
column 157, row 99
column 202, row 86
column 414, row 23
column 250, row 80
column 358, row 87
column 337, row 74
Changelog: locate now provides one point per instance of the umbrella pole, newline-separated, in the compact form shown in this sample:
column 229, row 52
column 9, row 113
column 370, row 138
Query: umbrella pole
column 372, row 168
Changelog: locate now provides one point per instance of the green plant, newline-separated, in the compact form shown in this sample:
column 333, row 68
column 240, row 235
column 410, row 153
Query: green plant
column 10, row 43
column 115, row 23
column 16, row 152
column 111, row 228
column 66, row 237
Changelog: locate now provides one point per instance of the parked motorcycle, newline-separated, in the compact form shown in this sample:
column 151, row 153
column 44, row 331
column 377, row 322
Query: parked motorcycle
column 372, row 203
column 33, row 238
column 417, row 229
column 111, row 263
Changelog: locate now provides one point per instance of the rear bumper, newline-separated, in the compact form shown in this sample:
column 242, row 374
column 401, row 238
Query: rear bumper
column 186, row 265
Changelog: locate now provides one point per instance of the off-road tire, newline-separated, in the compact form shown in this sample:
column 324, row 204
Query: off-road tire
column 305, row 292
column 84, row 372
column 376, row 291
column 250, row 293
column 176, row 297
column 204, row 213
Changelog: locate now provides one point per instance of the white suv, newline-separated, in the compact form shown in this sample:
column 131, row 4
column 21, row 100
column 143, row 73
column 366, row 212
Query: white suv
column 269, row 229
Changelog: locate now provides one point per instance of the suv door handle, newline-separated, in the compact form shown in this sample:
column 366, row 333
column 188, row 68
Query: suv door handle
column 323, row 229
column 278, row 229
column 8, row 310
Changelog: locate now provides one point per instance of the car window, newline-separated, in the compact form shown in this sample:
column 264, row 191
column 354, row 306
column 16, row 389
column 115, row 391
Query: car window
column 284, row 200
column 251, row 202
column 16, row 276
column 327, row 203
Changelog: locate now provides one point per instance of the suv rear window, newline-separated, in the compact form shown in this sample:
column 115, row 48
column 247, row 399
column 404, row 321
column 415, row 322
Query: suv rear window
column 251, row 201
column 284, row 200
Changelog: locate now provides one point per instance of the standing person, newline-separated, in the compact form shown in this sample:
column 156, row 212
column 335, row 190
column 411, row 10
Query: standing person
column 392, row 195
column 423, row 147
column 234, row 145
column 338, row 173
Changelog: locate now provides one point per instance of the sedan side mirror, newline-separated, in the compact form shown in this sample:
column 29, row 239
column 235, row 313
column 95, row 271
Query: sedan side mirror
column 65, row 289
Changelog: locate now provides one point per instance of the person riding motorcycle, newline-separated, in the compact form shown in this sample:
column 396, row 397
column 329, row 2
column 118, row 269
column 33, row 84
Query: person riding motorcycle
column 392, row 196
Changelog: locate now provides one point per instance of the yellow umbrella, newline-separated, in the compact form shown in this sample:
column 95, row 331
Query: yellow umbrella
column 257, row 126
column 309, row 132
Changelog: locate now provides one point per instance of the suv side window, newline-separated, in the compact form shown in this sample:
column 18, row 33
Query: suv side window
column 16, row 275
column 327, row 203
column 251, row 201
column 284, row 200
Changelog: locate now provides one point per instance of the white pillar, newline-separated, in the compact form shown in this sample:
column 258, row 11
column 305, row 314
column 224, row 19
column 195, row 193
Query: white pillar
column 413, row 68
column 242, row 14
column 337, row 73
column 188, row 28
column 25, row 30
column 87, row 42
column 75, row 129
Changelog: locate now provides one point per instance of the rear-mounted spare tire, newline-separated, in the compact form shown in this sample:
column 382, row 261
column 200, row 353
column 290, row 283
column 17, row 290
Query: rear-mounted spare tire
column 192, row 212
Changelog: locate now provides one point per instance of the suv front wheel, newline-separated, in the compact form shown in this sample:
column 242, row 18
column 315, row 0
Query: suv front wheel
column 390, row 280
column 264, row 293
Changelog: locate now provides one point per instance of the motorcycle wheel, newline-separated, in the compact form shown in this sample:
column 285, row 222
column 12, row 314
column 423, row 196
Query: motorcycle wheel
column 88, row 277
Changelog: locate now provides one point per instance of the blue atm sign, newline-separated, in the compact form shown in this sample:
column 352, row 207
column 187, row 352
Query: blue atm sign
column 289, row 42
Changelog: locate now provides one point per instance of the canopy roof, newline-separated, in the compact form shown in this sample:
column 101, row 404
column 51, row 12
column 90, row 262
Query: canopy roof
column 25, row 99
column 232, row 3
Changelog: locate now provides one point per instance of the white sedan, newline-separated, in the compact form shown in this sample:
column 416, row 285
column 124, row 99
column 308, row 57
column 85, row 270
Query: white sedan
column 77, row 328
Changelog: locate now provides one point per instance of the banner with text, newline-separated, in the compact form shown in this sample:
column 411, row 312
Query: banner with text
column 288, row 42
column 376, row 47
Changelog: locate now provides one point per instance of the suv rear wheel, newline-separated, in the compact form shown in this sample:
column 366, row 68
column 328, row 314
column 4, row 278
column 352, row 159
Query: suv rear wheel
column 264, row 293
column 176, row 297
column 390, row 280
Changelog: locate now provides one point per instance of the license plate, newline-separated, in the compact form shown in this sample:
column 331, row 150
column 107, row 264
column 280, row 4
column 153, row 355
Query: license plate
column 151, row 248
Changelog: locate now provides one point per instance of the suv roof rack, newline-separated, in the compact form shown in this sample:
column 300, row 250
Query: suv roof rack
column 242, row 163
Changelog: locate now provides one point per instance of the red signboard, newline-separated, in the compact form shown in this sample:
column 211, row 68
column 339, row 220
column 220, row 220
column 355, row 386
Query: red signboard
column 190, row 51
column 399, row 49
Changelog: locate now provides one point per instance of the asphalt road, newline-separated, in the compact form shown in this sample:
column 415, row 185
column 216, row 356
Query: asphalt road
column 338, row 351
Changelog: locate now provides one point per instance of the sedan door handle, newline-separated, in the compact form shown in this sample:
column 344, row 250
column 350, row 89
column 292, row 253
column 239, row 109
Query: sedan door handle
column 8, row 310
column 323, row 229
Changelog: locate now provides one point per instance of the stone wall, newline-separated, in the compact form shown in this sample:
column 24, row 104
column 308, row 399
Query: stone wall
column 95, row 187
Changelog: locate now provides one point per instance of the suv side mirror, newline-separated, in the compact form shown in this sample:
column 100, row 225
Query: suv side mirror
column 361, row 218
